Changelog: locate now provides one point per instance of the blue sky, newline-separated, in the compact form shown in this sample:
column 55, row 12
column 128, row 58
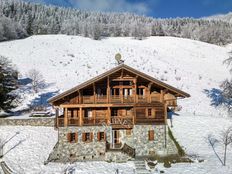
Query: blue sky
column 159, row 8
column 154, row 8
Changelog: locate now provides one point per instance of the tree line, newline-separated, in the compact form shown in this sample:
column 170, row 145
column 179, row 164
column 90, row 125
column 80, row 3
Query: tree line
column 20, row 19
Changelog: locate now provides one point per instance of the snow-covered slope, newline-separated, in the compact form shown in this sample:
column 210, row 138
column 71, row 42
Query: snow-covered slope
column 66, row 61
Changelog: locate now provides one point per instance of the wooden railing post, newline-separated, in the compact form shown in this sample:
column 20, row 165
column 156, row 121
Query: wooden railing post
column 94, row 116
column 81, row 117
column 121, row 94
column 108, row 115
column 65, row 117
column 94, row 93
column 162, row 96
column 108, row 89
column 165, row 112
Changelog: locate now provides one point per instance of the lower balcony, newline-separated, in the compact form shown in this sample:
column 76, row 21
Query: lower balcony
column 117, row 122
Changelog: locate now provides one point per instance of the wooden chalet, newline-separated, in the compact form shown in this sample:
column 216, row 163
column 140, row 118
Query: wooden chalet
column 120, row 95
column 128, row 101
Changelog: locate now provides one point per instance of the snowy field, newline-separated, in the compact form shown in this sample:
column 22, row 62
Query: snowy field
column 191, row 132
column 66, row 61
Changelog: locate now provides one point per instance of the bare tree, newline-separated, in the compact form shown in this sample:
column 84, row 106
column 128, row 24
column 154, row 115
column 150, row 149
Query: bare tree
column 227, row 85
column 225, row 139
column 1, row 148
column 37, row 80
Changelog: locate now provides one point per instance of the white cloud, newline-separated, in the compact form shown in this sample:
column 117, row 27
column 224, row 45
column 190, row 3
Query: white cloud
column 112, row 6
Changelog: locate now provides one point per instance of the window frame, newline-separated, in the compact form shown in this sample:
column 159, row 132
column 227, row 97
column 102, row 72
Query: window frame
column 84, row 137
column 101, row 136
column 151, row 135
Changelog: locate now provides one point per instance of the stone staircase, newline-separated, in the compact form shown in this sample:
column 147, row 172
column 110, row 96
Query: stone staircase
column 140, row 167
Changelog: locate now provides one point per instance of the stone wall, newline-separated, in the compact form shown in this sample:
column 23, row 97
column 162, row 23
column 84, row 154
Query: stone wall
column 65, row 151
column 27, row 122
column 143, row 147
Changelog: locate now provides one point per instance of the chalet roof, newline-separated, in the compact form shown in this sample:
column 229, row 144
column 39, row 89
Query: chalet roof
column 172, row 89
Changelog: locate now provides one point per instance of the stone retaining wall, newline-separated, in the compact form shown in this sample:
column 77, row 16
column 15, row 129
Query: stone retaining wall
column 27, row 122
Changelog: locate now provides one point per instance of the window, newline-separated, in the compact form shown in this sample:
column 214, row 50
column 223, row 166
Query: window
column 72, row 137
column 149, row 112
column 141, row 91
column 88, row 113
column 101, row 136
column 87, row 137
column 128, row 132
column 114, row 112
column 151, row 135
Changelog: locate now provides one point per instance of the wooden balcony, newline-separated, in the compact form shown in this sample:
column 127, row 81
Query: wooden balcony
column 60, row 122
column 92, row 121
column 142, row 99
column 73, row 121
column 149, row 120
column 102, row 99
column 89, row 99
column 122, row 121
column 115, row 99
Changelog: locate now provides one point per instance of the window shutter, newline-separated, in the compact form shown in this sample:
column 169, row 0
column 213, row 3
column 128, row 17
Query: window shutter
column 91, row 136
column 151, row 135
column 76, row 137
column 83, row 137
column 98, row 136
column 69, row 137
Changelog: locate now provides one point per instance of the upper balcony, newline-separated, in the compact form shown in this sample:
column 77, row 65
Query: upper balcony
column 116, row 99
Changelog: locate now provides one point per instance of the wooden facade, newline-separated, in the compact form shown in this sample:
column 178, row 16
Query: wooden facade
column 121, row 98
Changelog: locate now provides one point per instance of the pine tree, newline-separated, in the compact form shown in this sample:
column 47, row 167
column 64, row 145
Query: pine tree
column 8, row 84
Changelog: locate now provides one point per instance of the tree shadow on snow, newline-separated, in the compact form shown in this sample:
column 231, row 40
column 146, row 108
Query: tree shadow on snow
column 213, row 142
column 42, row 99
column 4, row 142
column 24, row 81
column 16, row 145
column 217, row 98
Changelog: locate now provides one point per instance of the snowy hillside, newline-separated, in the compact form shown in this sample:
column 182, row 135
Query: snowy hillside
column 66, row 61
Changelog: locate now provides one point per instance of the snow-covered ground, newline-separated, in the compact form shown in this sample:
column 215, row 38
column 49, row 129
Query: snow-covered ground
column 191, row 131
column 66, row 61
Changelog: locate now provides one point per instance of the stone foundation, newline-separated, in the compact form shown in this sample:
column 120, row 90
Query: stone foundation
column 65, row 151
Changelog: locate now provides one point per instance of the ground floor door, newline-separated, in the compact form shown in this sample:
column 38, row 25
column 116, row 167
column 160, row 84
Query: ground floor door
column 116, row 139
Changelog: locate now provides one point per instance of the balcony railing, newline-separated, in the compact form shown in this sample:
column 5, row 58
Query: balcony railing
column 87, row 99
column 101, row 99
column 122, row 121
column 115, row 99
column 118, row 99
column 73, row 121
column 128, row 99
column 60, row 122
column 115, row 121
column 142, row 98
column 155, row 98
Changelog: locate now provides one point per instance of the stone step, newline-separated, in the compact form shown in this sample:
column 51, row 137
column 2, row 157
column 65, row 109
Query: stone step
column 142, row 172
